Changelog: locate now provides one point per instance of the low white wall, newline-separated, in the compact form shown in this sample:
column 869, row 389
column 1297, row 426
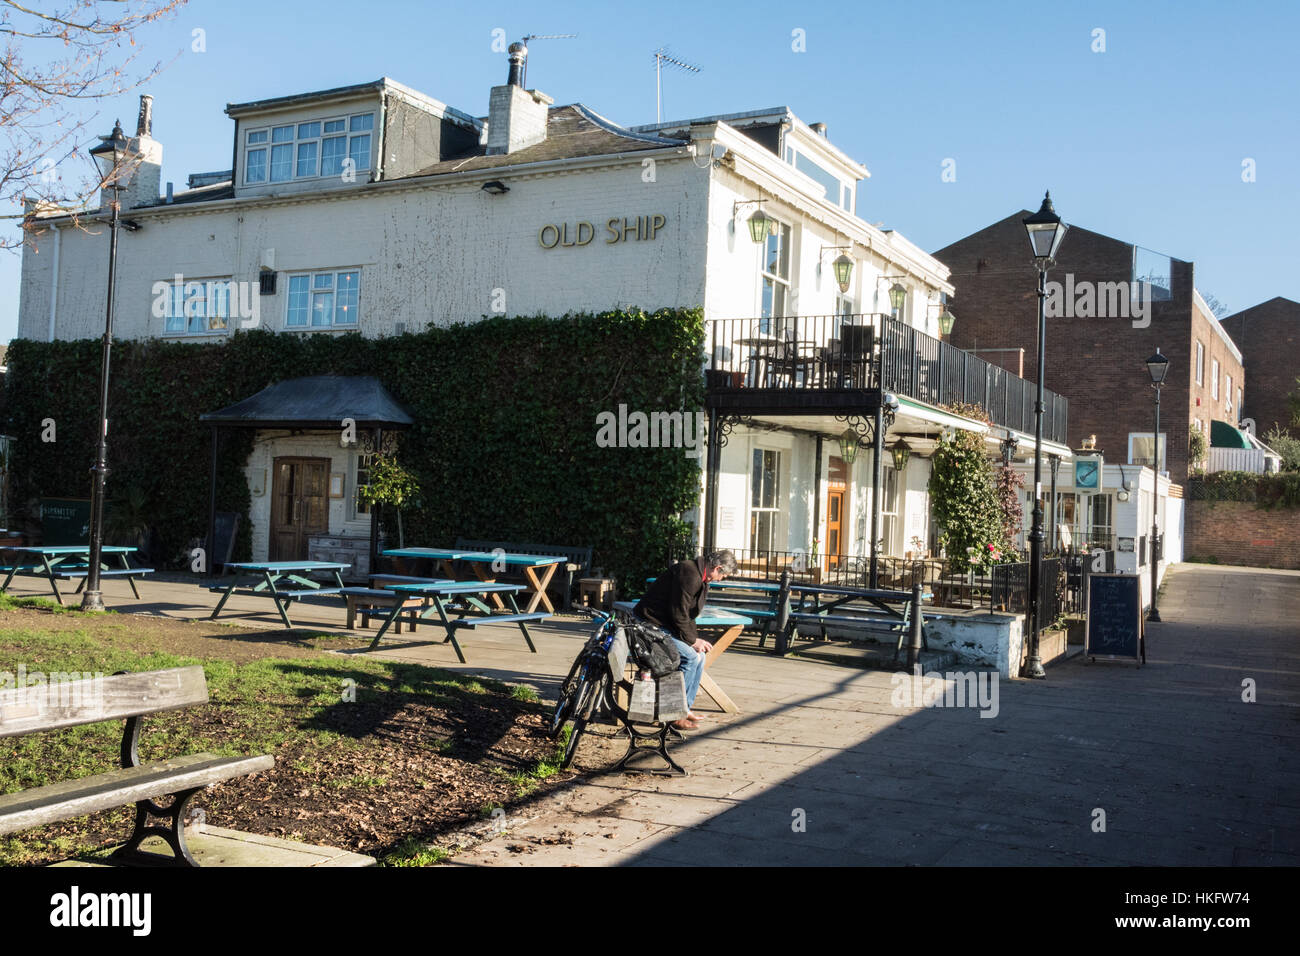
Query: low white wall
column 978, row 638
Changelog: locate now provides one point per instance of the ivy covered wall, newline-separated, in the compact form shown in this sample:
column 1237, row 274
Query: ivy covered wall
column 504, row 444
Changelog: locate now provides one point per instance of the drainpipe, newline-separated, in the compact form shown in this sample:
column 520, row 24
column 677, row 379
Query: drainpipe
column 817, row 494
column 54, row 283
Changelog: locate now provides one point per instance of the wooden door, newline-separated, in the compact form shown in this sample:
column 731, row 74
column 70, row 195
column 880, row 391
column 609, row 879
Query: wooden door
column 299, row 506
column 836, row 485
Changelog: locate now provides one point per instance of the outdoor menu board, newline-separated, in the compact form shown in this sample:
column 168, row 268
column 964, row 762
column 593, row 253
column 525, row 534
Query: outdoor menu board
column 1114, row 621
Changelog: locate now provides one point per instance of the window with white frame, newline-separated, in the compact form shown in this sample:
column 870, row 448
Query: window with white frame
column 765, row 500
column 323, row 299
column 1214, row 378
column 1200, row 364
column 1227, row 393
column 775, row 275
column 361, row 476
column 1239, row 400
column 309, row 150
column 888, row 508
column 1142, row 452
column 199, row 306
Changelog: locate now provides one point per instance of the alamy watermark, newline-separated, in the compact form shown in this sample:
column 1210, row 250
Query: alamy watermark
column 1099, row 300
column 626, row 429
column 952, row 689
column 32, row 692
column 202, row 304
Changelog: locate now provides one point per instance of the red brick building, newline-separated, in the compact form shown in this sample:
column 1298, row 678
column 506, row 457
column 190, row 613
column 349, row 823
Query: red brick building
column 1103, row 322
column 1268, row 335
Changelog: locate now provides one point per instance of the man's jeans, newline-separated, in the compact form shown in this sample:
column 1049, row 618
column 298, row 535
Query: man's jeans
column 692, row 668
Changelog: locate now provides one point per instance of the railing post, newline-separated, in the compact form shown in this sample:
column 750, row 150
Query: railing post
column 914, row 643
column 783, row 615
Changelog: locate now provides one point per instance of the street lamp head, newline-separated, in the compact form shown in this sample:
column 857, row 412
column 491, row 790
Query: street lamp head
column 897, row 296
column 759, row 226
column 946, row 320
column 901, row 452
column 848, row 442
column 1045, row 232
column 108, row 155
column 1158, row 366
column 843, row 272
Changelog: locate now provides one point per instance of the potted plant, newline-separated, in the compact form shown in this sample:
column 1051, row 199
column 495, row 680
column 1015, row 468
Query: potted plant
column 390, row 484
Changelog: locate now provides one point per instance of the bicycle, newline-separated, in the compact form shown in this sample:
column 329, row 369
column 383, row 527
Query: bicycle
column 589, row 683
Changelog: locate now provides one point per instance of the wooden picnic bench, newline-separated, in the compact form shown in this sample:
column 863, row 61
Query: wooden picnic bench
column 28, row 710
column 272, row 574
column 378, row 599
column 822, row 604
column 577, row 565
column 69, row 562
column 460, row 598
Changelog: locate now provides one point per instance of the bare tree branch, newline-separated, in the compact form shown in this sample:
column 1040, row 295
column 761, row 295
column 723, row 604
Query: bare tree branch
column 50, row 61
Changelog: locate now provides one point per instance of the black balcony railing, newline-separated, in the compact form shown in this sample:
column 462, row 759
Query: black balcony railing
column 870, row 351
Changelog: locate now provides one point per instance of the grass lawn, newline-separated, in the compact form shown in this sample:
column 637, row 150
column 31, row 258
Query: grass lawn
column 378, row 757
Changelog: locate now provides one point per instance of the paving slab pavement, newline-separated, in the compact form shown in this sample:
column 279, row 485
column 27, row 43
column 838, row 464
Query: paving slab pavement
column 821, row 767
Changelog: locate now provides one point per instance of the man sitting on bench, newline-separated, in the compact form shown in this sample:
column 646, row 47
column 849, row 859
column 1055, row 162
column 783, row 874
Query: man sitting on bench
column 673, row 601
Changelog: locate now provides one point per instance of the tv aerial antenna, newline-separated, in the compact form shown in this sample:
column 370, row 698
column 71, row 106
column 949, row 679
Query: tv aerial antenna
column 662, row 56
column 523, row 81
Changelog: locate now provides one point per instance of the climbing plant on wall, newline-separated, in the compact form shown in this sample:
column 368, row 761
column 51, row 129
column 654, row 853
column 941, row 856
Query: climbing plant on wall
column 503, row 447
column 965, row 502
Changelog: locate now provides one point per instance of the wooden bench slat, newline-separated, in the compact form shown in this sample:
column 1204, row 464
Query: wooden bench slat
column 107, row 573
column 24, row 710
column 106, row 791
column 499, row 619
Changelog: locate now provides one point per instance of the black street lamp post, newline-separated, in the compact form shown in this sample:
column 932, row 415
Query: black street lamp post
column 109, row 155
column 1045, row 234
column 1158, row 366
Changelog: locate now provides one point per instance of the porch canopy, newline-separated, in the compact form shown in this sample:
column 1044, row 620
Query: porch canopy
column 317, row 402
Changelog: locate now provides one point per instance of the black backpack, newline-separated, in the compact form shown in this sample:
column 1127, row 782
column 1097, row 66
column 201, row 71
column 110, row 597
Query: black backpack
column 652, row 650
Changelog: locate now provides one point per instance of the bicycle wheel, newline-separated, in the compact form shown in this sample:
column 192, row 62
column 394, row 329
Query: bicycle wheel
column 564, row 707
column 587, row 695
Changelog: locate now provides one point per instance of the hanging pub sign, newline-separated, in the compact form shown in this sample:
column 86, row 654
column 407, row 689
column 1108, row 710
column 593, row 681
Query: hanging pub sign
column 617, row 229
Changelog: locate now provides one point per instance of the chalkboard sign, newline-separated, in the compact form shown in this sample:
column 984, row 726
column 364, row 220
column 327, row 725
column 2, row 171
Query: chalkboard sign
column 65, row 521
column 227, row 523
column 1114, row 621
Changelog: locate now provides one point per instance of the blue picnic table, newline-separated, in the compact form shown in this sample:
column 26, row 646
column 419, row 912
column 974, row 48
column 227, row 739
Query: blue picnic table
column 461, row 599
column 70, row 561
column 272, row 574
column 537, row 569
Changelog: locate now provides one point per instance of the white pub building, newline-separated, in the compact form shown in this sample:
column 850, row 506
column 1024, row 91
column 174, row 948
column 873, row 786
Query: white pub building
column 375, row 208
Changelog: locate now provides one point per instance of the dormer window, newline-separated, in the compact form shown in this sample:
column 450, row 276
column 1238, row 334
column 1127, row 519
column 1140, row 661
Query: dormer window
column 311, row 150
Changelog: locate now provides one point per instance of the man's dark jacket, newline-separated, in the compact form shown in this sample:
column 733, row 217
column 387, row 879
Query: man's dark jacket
column 676, row 598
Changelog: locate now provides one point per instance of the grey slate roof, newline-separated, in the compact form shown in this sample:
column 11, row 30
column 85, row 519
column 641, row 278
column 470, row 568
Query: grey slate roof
column 571, row 132
column 318, row 401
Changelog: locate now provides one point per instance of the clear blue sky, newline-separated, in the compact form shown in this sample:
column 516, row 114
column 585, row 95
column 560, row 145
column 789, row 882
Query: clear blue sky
column 1143, row 142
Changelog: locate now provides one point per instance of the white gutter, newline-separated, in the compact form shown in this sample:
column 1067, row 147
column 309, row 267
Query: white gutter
column 431, row 181
column 54, row 282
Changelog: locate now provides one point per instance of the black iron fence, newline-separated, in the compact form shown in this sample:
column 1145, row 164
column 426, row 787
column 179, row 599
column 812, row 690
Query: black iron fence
column 1004, row 587
column 868, row 351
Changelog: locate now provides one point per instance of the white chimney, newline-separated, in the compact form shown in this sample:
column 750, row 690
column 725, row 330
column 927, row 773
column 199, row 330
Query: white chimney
column 142, row 188
column 516, row 117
